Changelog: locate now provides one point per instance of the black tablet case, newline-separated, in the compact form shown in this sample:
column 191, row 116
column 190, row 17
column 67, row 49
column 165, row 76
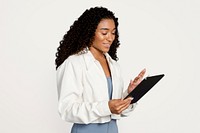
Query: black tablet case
column 145, row 85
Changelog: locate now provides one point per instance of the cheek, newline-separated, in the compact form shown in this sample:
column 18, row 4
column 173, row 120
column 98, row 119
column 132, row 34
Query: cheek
column 99, row 37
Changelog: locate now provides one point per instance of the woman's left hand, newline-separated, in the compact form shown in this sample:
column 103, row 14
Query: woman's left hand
column 136, row 81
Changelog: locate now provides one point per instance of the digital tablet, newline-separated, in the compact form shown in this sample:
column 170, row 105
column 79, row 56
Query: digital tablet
column 145, row 85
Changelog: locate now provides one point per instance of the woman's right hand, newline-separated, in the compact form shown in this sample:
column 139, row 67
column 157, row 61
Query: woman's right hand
column 118, row 105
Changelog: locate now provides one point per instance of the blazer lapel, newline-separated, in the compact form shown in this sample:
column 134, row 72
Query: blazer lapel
column 95, row 76
column 115, row 77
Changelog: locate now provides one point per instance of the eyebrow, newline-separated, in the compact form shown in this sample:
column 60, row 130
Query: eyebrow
column 106, row 29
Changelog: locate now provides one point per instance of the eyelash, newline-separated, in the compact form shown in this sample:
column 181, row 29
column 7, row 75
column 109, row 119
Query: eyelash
column 106, row 33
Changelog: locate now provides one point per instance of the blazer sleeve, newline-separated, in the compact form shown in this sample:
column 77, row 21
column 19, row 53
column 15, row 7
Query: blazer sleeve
column 127, row 111
column 71, row 106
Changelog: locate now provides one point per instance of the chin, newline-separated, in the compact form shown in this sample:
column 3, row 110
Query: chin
column 105, row 51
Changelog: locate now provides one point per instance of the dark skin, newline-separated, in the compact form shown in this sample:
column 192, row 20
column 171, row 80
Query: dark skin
column 104, row 36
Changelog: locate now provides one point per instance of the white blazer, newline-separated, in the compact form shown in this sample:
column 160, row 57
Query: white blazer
column 83, row 91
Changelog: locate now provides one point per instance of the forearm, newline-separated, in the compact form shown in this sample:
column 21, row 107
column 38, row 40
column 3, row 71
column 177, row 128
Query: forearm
column 83, row 112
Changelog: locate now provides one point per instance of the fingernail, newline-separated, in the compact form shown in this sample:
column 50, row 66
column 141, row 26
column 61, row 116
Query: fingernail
column 131, row 98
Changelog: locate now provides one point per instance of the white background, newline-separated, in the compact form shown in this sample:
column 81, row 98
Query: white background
column 162, row 36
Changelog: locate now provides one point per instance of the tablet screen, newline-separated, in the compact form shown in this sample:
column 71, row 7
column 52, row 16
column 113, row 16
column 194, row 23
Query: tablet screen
column 145, row 85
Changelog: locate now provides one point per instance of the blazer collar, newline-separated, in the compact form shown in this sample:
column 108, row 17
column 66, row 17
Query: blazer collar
column 109, row 59
column 89, row 59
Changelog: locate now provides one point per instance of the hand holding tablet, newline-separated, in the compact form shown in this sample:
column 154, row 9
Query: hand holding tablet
column 143, row 87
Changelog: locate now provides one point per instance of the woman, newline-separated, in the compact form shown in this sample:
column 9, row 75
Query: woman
column 90, row 86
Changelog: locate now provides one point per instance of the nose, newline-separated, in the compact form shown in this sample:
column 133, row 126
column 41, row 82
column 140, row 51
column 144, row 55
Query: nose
column 110, row 37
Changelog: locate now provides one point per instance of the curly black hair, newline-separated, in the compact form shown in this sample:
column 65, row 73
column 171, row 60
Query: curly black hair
column 81, row 34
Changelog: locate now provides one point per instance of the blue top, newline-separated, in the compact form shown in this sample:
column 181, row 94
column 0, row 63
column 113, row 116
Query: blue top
column 108, row 127
column 110, row 87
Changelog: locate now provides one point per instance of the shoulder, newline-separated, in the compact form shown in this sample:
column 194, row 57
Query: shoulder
column 75, row 61
column 76, row 58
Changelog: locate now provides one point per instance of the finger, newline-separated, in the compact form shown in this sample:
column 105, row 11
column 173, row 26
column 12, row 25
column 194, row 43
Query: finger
column 124, row 106
column 131, row 82
column 141, row 74
column 119, row 102
column 125, row 102
column 136, row 79
column 128, row 99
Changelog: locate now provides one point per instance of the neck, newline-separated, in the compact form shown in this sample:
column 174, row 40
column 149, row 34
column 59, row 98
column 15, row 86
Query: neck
column 98, row 54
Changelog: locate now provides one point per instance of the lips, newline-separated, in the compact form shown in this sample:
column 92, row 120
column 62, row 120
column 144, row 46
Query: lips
column 106, row 45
